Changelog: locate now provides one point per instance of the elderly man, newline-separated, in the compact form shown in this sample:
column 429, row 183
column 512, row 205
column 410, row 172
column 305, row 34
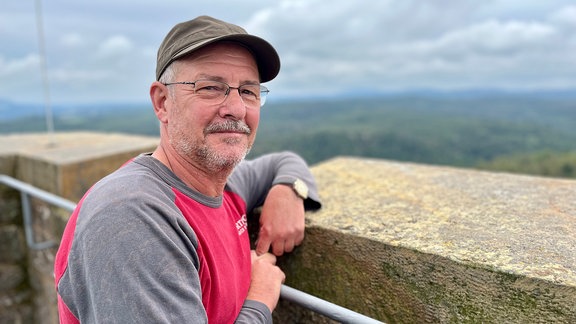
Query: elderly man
column 164, row 238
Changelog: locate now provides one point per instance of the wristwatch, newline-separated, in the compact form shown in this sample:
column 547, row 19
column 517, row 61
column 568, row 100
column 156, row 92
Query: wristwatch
column 300, row 188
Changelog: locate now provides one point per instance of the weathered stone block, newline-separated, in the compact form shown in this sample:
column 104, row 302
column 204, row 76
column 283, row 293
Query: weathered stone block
column 67, row 164
column 11, row 276
column 22, row 313
column 10, row 207
column 12, row 244
column 411, row 243
column 10, row 211
column 7, row 160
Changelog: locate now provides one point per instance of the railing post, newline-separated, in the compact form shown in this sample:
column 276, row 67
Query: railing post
column 29, row 227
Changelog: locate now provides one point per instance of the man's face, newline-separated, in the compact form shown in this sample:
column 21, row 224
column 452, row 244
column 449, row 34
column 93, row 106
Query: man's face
column 213, row 137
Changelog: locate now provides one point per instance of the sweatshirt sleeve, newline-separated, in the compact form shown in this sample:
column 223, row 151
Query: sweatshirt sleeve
column 254, row 312
column 252, row 179
column 133, row 260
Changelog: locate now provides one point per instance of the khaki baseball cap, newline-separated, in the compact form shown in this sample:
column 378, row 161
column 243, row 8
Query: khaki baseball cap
column 186, row 37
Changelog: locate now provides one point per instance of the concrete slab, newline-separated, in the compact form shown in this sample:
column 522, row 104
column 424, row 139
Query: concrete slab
column 519, row 224
column 68, row 163
column 70, row 147
column 409, row 243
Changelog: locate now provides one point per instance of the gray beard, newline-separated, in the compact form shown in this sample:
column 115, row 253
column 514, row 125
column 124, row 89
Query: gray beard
column 215, row 162
column 210, row 159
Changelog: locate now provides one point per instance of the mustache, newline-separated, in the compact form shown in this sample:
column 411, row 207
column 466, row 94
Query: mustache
column 228, row 126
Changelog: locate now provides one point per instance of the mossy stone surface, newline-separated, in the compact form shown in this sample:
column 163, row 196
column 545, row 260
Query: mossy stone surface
column 407, row 243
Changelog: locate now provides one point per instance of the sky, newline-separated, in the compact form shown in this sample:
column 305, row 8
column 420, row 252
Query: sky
column 105, row 50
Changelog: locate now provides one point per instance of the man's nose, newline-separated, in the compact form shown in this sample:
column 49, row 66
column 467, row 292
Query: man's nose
column 233, row 105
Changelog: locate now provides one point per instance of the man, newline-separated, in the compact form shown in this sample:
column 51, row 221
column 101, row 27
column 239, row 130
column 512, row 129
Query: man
column 164, row 238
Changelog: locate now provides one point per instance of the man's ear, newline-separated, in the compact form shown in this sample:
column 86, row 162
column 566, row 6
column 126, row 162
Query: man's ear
column 159, row 96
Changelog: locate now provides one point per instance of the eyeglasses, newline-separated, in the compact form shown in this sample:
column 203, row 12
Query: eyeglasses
column 215, row 92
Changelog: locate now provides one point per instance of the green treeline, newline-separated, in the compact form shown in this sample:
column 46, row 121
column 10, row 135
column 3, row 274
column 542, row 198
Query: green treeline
column 533, row 135
column 546, row 163
column 523, row 135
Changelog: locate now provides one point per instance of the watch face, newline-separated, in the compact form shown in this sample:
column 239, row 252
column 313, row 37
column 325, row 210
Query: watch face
column 301, row 188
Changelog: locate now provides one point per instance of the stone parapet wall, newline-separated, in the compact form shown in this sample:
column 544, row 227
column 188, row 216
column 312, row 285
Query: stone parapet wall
column 400, row 242
column 68, row 164
column 412, row 243
column 15, row 292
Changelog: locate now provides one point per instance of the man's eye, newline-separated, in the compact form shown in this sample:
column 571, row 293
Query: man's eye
column 210, row 88
column 250, row 92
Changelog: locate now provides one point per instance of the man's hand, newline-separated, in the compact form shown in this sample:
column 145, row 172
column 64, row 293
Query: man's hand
column 281, row 221
column 266, row 280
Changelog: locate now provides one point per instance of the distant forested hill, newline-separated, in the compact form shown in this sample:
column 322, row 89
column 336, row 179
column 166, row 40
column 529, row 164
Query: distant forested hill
column 454, row 131
column 125, row 118
column 500, row 133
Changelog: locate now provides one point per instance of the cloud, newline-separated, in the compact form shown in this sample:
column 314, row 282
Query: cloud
column 24, row 65
column 79, row 76
column 565, row 16
column 390, row 45
column 490, row 38
column 326, row 47
column 72, row 40
column 114, row 46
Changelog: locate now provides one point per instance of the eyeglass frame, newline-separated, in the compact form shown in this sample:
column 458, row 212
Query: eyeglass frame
column 263, row 89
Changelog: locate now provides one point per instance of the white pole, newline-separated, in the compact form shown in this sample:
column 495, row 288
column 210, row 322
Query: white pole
column 44, row 71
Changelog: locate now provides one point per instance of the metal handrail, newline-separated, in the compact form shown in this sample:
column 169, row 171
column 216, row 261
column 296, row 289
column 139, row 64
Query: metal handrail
column 303, row 299
column 26, row 191
column 323, row 307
